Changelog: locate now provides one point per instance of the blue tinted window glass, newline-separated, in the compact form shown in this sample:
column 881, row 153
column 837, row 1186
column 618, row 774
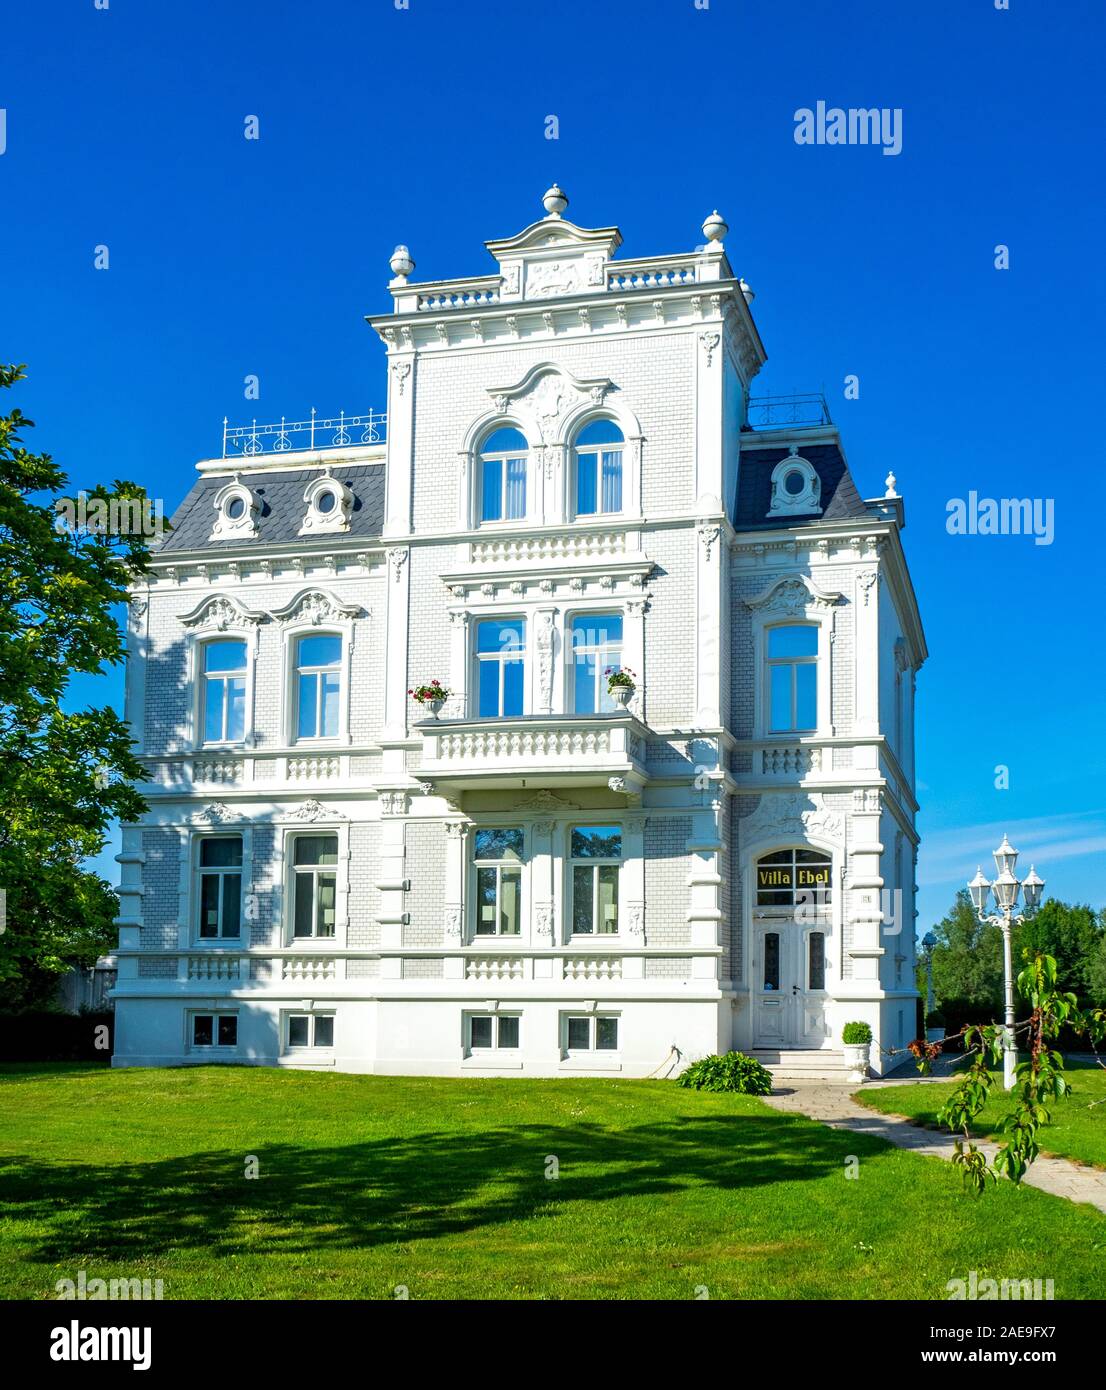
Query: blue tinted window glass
column 612, row 481
column 330, row 686
column 505, row 441
column 793, row 641
column 491, row 489
column 516, row 488
column 213, row 711
column 308, row 707
column 586, row 499
column 320, row 651
column 780, row 697
column 236, row 708
column 806, row 696
column 585, row 686
column 601, row 630
column 493, row 635
column 489, row 689
column 512, row 688
column 225, row 656
column 599, row 432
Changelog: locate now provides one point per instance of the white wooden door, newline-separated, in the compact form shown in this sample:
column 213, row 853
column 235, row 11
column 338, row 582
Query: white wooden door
column 789, row 985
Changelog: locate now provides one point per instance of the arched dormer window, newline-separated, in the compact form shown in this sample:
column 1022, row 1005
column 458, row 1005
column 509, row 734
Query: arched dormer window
column 237, row 507
column 598, row 459
column 501, row 478
column 329, row 506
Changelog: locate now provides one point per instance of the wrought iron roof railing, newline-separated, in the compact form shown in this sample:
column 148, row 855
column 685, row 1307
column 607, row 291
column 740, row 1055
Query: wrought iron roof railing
column 319, row 432
column 805, row 410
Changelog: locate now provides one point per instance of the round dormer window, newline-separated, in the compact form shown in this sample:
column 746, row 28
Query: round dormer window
column 329, row 506
column 796, row 487
column 325, row 503
column 235, row 508
column 794, row 482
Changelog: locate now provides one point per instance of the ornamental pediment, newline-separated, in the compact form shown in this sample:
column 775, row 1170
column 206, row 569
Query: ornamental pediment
column 221, row 611
column 316, row 605
column 793, row 593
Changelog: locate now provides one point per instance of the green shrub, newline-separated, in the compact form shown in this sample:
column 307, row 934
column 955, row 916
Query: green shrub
column 935, row 1019
column 854, row 1034
column 734, row 1072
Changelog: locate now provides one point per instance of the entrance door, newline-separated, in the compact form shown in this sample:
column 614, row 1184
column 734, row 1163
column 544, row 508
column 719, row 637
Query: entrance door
column 789, row 985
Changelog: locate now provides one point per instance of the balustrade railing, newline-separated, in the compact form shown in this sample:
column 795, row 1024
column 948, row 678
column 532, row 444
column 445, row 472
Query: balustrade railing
column 317, row 432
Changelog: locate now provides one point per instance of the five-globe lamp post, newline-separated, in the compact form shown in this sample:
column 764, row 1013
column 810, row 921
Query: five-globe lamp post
column 1006, row 888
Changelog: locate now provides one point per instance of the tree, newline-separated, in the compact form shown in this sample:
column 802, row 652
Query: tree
column 967, row 959
column 64, row 777
column 1096, row 966
column 1071, row 934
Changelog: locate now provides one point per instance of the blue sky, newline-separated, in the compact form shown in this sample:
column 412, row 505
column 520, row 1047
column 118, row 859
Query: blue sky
column 427, row 125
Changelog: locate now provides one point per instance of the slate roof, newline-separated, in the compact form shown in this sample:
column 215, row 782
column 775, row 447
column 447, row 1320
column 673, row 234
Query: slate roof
column 282, row 509
column 840, row 498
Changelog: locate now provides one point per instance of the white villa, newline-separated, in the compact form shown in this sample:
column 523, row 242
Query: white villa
column 548, row 876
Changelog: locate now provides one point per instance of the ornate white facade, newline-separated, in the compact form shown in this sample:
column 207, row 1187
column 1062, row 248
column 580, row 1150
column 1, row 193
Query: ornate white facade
column 537, row 880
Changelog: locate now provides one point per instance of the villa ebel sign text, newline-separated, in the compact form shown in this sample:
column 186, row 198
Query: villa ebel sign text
column 808, row 877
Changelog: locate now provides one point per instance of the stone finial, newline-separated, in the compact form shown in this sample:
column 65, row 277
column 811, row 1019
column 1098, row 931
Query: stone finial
column 891, row 481
column 746, row 290
column 715, row 228
column 554, row 200
column 401, row 263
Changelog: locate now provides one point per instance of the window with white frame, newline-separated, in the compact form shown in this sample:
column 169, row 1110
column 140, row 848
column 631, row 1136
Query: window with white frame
column 591, row 1033
column 502, row 475
column 213, row 1030
column 497, row 861
column 219, row 868
column 596, row 852
column 223, row 693
column 791, row 664
column 500, row 667
column 794, row 880
column 314, row 885
column 318, row 685
column 595, row 641
column 598, row 454
column 491, row 1032
column 309, row 1031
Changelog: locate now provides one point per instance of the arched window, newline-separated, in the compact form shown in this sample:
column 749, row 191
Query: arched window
column 792, row 666
column 502, row 476
column 599, row 468
column 318, row 685
column 224, row 690
column 793, row 878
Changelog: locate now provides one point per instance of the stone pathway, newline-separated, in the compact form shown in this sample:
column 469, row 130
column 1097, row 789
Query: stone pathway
column 832, row 1104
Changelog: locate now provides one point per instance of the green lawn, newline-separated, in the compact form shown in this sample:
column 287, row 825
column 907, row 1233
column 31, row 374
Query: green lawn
column 1077, row 1129
column 369, row 1183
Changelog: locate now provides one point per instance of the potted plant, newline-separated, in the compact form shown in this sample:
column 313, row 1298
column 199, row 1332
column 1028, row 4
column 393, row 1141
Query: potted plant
column 856, row 1040
column 620, row 684
column 935, row 1025
column 435, row 695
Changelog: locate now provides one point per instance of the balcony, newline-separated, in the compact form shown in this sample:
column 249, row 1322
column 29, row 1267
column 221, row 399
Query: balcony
column 339, row 431
column 541, row 750
column 807, row 410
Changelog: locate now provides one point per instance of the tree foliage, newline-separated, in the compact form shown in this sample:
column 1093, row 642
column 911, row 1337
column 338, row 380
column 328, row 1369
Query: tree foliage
column 64, row 775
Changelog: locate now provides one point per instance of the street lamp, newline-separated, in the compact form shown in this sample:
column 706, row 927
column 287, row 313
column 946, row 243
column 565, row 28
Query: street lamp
column 1006, row 888
column 929, row 941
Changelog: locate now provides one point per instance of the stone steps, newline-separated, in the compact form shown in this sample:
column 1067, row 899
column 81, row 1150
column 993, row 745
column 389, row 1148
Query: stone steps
column 803, row 1064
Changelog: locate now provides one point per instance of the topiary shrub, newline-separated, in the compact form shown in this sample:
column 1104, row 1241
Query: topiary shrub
column 856, row 1034
column 733, row 1072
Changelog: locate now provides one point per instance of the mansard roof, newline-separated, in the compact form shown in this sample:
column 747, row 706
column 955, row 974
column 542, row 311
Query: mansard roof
column 839, row 496
column 282, row 510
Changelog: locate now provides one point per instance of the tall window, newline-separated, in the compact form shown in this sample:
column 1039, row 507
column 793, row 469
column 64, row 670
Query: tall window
column 599, row 468
column 224, row 691
column 500, row 661
column 596, row 858
column 220, row 872
column 497, row 855
column 793, row 678
column 596, row 646
column 314, row 885
column 503, row 476
column 318, row 686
